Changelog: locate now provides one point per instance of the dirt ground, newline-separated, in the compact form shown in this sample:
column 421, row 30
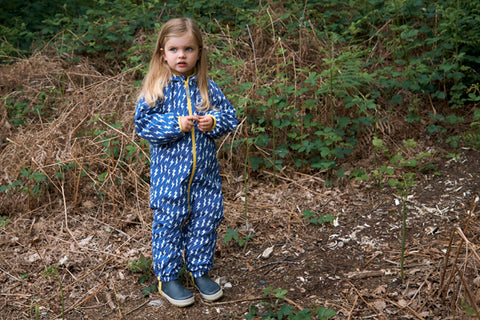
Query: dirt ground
column 82, row 257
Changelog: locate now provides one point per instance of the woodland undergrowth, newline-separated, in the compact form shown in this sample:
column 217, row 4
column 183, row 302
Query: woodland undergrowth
column 365, row 90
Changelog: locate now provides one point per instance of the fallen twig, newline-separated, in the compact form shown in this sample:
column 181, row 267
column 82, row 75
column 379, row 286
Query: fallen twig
column 372, row 258
column 136, row 308
column 353, row 307
column 405, row 308
column 469, row 294
column 278, row 262
column 116, row 298
column 365, row 301
column 75, row 305
column 365, row 274
column 8, row 274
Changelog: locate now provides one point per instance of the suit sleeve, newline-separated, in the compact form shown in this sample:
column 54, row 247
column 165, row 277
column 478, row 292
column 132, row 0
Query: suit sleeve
column 223, row 113
column 154, row 126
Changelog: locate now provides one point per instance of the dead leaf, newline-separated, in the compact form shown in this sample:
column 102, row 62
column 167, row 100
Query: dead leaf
column 380, row 289
column 402, row 302
column 380, row 305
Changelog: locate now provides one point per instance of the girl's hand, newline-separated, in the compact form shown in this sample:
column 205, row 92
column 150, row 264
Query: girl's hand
column 187, row 123
column 205, row 123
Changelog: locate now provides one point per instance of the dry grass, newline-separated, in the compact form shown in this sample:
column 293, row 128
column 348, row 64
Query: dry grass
column 460, row 276
column 74, row 136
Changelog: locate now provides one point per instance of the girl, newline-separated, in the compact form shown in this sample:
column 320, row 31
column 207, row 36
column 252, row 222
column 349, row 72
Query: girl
column 181, row 113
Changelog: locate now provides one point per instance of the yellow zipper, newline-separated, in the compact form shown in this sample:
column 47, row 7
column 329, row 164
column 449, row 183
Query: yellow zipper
column 190, row 112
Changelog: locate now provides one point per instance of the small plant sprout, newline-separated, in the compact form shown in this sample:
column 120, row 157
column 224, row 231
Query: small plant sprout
column 234, row 235
column 52, row 271
column 4, row 221
column 281, row 307
column 317, row 219
column 143, row 266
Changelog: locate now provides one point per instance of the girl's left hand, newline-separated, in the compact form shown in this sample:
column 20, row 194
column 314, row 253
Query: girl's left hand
column 204, row 123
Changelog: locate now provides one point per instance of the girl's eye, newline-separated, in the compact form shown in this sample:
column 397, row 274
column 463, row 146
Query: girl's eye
column 189, row 49
column 173, row 49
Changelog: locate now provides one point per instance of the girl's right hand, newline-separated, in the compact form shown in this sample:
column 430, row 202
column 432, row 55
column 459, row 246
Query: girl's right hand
column 187, row 123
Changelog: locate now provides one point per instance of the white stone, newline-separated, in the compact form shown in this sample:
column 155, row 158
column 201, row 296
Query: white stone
column 267, row 252
column 156, row 303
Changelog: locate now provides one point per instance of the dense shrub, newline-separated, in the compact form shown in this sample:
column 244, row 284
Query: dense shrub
column 310, row 78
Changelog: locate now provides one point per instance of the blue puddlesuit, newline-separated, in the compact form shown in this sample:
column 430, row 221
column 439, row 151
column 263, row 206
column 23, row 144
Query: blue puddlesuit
column 186, row 188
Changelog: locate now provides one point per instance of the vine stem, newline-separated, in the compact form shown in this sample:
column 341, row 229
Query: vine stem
column 404, row 235
column 245, row 179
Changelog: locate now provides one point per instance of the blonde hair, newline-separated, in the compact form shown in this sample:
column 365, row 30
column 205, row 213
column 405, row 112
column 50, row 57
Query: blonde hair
column 159, row 74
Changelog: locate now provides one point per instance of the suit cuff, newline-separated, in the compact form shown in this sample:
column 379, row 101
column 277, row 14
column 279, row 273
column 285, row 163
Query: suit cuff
column 180, row 125
column 214, row 122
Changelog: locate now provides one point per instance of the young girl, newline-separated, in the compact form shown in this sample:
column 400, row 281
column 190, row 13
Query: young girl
column 181, row 113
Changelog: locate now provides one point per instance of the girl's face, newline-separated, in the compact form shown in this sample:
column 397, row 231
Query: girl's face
column 181, row 54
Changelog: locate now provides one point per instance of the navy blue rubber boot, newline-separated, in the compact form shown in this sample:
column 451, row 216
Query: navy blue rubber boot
column 209, row 289
column 176, row 293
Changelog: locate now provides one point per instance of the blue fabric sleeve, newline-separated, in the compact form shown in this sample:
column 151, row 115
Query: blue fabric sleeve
column 154, row 126
column 223, row 111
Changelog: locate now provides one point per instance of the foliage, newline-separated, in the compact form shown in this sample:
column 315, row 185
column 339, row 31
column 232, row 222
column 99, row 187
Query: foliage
column 278, row 309
column 471, row 137
column 402, row 187
column 470, row 311
column 301, row 110
column 99, row 28
column 233, row 235
column 31, row 183
column 401, row 182
column 398, row 162
column 143, row 265
column 204, row 12
column 318, row 219
column 4, row 221
column 311, row 115
column 21, row 111
column 23, row 22
column 148, row 290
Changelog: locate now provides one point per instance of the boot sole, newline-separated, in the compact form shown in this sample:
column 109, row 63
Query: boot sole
column 212, row 297
column 179, row 303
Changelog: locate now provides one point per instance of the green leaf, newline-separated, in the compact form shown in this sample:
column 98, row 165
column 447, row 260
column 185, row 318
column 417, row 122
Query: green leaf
column 4, row 221
column 324, row 314
column 377, row 143
column 148, row 290
column 304, row 314
column 102, row 176
column 230, row 234
column 255, row 162
column 284, row 311
column 394, row 183
column 411, row 163
column 280, row 293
